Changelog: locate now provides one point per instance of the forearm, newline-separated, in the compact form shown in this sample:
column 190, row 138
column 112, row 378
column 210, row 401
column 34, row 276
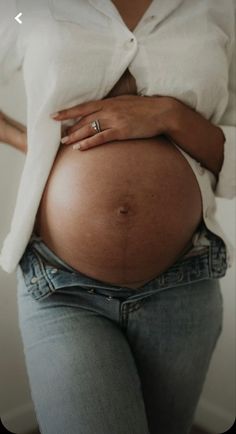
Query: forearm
column 15, row 124
column 18, row 140
column 198, row 137
column 13, row 133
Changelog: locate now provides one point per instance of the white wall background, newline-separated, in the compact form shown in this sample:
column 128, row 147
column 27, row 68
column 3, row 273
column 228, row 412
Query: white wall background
column 216, row 409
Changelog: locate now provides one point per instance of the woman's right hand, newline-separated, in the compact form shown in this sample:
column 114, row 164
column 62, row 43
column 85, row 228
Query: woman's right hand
column 12, row 132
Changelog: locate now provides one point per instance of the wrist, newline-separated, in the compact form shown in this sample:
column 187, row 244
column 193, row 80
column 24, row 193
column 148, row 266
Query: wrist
column 171, row 119
column 18, row 140
column 22, row 142
column 197, row 136
column 175, row 117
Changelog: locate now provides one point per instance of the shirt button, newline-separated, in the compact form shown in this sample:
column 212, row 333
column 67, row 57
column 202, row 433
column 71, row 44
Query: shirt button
column 150, row 18
column 34, row 279
column 54, row 270
column 129, row 43
column 201, row 169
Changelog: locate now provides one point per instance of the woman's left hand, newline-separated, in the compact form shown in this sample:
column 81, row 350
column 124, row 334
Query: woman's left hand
column 121, row 118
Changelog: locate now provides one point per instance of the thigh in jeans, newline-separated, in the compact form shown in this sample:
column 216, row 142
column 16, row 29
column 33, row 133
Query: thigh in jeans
column 173, row 336
column 82, row 374
column 87, row 376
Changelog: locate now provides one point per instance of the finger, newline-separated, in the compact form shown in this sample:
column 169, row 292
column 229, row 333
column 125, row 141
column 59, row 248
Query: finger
column 78, row 110
column 86, row 120
column 80, row 134
column 74, row 128
column 81, row 123
column 99, row 139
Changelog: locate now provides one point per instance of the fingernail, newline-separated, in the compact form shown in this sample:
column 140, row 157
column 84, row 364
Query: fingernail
column 65, row 139
column 54, row 115
column 77, row 146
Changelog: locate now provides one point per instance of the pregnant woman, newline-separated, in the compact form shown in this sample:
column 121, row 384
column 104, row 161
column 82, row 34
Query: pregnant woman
column 114, row 238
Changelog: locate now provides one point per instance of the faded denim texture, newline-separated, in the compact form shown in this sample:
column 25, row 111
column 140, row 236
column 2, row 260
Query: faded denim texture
column 103, row 359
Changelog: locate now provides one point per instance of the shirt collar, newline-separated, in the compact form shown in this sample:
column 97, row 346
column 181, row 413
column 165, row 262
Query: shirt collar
column 159, row 9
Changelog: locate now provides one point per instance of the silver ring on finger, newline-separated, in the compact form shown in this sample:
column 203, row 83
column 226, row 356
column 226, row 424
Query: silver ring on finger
column 96, row 125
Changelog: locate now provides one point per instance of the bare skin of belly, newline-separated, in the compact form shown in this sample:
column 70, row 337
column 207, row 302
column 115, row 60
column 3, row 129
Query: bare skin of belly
column 122, row 212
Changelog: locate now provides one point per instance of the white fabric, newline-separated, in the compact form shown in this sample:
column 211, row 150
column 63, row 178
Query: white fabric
column 74, row 51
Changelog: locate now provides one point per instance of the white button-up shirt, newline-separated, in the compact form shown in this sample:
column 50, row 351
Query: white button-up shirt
column 72, row 51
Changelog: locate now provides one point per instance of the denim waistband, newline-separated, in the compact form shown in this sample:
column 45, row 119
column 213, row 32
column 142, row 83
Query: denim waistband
column 209, row 264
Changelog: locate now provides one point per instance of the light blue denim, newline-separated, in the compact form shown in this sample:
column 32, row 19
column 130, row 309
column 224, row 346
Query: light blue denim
column 103, row 359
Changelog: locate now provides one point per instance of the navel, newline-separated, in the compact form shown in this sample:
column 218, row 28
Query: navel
column 124, row 209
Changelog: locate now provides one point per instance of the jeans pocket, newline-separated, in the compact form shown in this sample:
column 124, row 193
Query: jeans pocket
column 42, row 279
column 33, row 272
column 217, row 257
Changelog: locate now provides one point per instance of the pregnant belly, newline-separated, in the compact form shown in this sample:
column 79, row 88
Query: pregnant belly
column 122, row 212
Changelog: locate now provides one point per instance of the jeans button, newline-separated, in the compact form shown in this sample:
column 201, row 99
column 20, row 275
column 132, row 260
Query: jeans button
column 109, row 298
column 91, row 290
column 34, row 279
column 54, row 270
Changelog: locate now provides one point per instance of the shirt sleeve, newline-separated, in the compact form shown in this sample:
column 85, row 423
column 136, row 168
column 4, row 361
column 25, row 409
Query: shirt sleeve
column 9, row 32
column 226, row 185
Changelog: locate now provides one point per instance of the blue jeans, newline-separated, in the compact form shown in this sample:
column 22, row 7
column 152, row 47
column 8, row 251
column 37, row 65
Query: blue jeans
column 103, row 359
